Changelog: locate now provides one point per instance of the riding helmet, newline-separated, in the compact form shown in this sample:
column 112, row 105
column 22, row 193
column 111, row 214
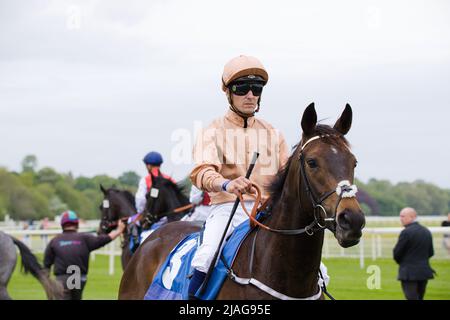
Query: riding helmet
column 69, row 217
column 153, row 158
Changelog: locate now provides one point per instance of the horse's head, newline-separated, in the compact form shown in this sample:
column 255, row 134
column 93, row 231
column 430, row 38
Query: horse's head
column 163, row 198
column 116, row 204
column 327, row 172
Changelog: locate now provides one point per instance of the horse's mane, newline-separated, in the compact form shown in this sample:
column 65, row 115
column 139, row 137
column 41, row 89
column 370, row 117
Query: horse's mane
column 334, row 138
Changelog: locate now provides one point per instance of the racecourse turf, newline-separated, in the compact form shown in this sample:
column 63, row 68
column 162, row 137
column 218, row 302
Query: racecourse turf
column 348, row 281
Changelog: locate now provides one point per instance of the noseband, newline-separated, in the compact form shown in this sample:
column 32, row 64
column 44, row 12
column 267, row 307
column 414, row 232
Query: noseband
column 108, row 222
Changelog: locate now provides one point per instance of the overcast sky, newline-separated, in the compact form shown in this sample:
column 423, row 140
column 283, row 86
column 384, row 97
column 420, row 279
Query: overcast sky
column 92, row 86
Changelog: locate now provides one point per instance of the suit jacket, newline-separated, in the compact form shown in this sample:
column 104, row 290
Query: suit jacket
column 412, row 253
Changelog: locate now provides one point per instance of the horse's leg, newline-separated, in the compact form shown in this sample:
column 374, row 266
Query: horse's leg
column 8, row 260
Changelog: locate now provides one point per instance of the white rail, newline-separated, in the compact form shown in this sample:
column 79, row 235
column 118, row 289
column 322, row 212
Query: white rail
column 375, row 243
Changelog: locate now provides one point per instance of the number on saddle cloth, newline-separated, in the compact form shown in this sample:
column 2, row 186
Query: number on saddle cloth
column 172, row 279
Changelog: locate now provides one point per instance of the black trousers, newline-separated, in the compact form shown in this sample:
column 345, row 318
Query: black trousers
column 71, row 294
column 414, row 290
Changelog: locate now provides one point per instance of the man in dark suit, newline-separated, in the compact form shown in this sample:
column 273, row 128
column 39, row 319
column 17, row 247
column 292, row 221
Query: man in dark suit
column 412, row 253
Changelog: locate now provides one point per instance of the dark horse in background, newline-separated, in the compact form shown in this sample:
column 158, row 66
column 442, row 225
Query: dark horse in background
column 304, row 201
column 120, row 204
column 8, row 260
column 117, row 204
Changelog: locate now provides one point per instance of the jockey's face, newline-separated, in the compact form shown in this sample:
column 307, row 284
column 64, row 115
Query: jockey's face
column 245, row 104
column 150, row 167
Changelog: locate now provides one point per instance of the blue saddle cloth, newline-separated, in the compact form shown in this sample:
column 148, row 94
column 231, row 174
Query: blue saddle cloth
column 172, row 280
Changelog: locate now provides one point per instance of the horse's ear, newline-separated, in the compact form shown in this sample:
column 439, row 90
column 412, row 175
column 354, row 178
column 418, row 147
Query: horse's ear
column 309, row 120
column 344, row 123
column 103, row 189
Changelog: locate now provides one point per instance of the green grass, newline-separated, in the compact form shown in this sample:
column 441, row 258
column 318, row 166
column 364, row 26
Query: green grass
column 100, row 285
column 348, row 281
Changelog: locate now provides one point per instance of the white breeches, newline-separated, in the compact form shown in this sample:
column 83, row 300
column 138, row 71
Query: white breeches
column 214, row 228
column 200, row 213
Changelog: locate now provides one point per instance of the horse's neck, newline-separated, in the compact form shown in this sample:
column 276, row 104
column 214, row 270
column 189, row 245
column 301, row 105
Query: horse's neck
column 290, row 262
column 126, row 207
column 175, row 201
column 167, row 202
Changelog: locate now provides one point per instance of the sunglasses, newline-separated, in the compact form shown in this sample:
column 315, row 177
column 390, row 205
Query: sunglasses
column 241, row 89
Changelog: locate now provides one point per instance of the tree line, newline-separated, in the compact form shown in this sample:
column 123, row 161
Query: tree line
column 381, row 197
column 36, row 194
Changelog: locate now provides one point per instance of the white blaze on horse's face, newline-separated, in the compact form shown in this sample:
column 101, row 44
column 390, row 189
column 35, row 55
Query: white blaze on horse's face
column 334, row 150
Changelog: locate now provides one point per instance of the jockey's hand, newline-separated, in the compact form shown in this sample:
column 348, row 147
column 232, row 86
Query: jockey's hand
column 240, row 185
column 121, row 226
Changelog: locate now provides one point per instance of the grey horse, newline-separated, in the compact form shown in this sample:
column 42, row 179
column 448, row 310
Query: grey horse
column 8, row 260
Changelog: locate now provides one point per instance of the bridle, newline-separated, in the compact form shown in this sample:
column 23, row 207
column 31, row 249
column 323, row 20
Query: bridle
column 343, row 190
column 108, row 222
column 151, row 218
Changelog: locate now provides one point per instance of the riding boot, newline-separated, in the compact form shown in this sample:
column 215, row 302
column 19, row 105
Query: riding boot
column 196, row 281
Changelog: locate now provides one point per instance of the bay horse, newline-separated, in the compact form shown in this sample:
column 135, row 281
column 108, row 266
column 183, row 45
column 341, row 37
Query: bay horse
column 8, row 259
column 118, row 204
column 306, row 197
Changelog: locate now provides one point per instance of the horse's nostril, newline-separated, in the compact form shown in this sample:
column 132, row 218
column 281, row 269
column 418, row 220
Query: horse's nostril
column 343, row 220
column 349, row 220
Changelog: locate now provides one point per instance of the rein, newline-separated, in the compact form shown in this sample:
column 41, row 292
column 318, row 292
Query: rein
column 115, row 223
column 176, row 210
column 112, row 224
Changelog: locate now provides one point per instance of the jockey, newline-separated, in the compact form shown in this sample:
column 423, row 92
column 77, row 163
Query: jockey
column 152, row 161
column 223, row 152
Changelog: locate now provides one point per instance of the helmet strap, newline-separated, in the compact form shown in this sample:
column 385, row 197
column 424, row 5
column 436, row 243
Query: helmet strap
column 244, row 116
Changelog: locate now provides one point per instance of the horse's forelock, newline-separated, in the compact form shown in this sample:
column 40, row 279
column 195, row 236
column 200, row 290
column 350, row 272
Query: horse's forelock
column 331, row 135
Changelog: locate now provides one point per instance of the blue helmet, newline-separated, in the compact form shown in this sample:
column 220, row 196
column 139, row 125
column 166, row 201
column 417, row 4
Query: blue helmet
column 153, row 158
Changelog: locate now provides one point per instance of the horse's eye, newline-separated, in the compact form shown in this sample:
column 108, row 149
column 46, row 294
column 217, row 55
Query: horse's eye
column 356, row 163
column 312, row 163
